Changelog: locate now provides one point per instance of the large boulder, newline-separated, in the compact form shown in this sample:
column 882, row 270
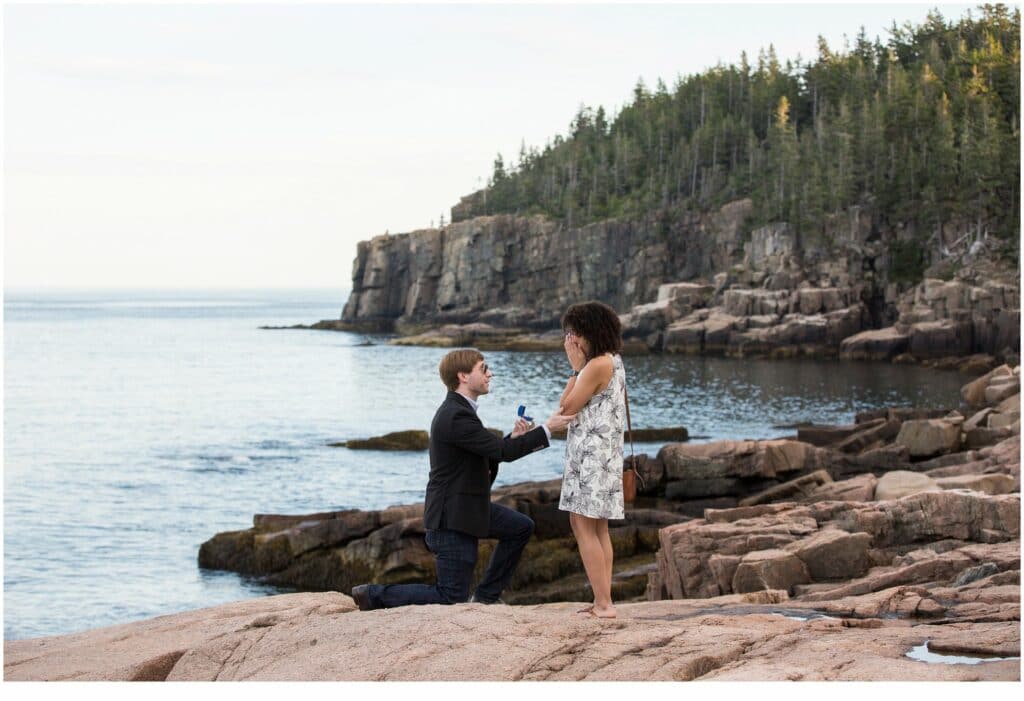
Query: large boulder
column 769, row 569
column 686, row 335
column 802, row 332
column 876, row 460
column 1001, row 388
column 890, row 529
column 900, row 483
column 879, row 344
column 929, row 437
column 717, row 330
column 977, row 364
column 859, row 488
column 845, row 322
column 738, row 302
column 683, row 558
column 811, row 300
column 872, row 435
column 974, row 392
column 978, row 420
column 1010, row 405
column 695, row 294
column 832, row 553
column 998, row 421
column 646, row 319
column 941, row 339
column 739, row 459
column 983, row 436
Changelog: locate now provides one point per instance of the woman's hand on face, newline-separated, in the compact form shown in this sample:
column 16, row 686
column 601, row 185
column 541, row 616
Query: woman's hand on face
column 568, row 345
column 574, row 352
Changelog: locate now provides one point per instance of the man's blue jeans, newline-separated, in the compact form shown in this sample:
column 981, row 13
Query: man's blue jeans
column 455, row 554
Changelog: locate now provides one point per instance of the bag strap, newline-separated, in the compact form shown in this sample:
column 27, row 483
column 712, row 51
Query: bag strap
column 629, row 430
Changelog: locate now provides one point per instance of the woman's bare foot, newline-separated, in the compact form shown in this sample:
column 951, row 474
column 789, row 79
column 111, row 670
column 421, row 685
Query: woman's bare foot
column 605, row 612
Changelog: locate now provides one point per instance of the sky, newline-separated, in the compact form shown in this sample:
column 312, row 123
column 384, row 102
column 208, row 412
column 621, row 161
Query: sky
column 253, row 145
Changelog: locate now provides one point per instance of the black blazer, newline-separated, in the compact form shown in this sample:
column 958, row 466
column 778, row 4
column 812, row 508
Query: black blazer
column 464, row 459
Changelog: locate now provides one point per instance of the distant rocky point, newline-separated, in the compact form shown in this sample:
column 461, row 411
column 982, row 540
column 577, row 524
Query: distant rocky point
column 397, row 440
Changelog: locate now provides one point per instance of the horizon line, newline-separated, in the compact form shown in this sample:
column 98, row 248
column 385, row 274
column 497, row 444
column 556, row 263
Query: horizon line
column 162, row 288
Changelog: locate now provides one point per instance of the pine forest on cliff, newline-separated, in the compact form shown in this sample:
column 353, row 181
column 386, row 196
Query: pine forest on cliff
column 921, row 132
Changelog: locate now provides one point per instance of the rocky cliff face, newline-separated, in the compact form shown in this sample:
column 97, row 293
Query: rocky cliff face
column 516, row 271
column 694, row 283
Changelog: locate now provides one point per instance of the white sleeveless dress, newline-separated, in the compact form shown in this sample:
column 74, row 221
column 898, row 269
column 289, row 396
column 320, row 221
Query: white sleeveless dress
column 592, row 482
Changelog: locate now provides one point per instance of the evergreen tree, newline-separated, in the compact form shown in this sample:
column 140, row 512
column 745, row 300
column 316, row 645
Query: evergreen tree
column 921, row 130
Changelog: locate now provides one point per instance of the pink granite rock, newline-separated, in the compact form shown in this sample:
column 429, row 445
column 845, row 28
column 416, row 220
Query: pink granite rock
column 306, row 637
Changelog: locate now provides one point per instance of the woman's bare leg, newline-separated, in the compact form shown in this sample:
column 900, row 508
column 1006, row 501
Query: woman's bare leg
column 593, row 556
column 606, row 546
column 573, row 523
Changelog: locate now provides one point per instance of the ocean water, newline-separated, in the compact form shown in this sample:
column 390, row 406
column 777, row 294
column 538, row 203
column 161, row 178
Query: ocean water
column 139, row 424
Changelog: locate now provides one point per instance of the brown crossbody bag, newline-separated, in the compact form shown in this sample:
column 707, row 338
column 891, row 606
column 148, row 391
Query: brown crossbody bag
column 630, row 474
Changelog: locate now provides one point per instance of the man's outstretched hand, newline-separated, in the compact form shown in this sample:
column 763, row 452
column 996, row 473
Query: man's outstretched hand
column 558, row 420
column 521, row 427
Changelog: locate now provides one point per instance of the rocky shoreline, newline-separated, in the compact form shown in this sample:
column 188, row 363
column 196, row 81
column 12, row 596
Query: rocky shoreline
column 843, row 553
column 883, row 456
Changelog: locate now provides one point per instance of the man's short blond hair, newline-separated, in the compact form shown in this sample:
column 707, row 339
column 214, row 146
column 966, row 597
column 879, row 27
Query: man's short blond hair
column 462, row 360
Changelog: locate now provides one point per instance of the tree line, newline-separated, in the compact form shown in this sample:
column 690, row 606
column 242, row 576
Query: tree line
column 922, row 131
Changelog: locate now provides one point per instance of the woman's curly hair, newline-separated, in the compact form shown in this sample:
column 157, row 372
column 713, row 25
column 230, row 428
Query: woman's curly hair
column 596, row 322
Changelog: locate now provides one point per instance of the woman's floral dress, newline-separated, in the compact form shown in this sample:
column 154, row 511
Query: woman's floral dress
column 592, row 483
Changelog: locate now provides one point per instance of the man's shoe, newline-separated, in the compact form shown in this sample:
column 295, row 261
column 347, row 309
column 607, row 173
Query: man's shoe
column 475, row 600
column 361, row 595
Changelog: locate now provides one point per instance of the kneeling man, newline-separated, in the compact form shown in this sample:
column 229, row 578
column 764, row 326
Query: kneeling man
column 464, row 459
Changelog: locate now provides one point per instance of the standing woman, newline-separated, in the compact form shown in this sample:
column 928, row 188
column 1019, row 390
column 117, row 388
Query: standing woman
column 592, row 482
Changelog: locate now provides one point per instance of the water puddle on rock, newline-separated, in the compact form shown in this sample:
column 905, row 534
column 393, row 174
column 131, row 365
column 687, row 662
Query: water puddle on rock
column 802, row 615
column 921, row 653
column 804, row 619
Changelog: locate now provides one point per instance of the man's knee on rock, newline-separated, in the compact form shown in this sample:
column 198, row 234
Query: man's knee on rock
column 528, row 527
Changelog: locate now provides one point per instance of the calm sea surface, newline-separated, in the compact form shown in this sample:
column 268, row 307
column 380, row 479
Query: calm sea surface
column 139, row 424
